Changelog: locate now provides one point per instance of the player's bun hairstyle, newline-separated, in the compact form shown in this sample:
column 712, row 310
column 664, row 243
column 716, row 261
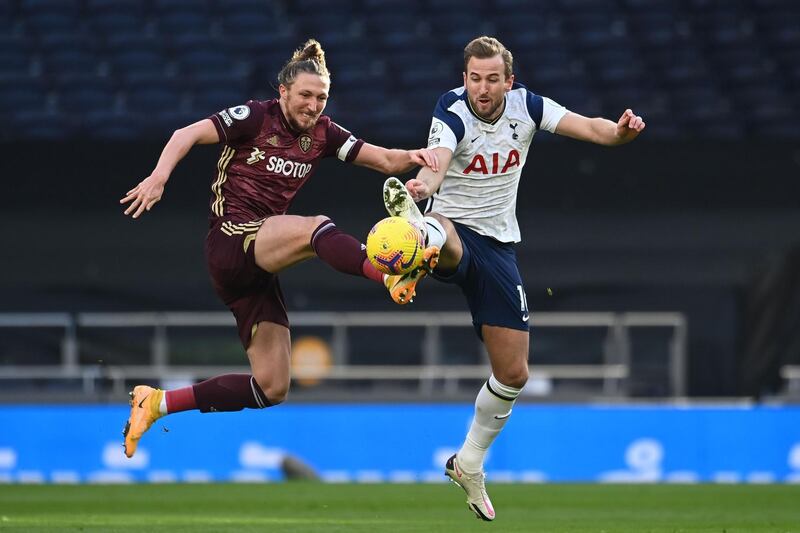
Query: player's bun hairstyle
column 308, row 58
column 485, row 47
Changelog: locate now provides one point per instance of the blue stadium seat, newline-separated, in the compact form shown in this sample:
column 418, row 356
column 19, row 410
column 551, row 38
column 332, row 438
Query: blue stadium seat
column 23, row 93
column 324, row 8
column 210, row 100
column 780, row 28
column 180, row 23
column 334, row 28
column 29, row 7
column 455, row 6
column 43, row 125
column 115, row 6
column 135, row 63
column 67, row 62
column 191, row 62
column 162, row 7
column 15, row 56
column 71, row 39
column 112, row 24
column 236, row 23
column 153, row 100
column 523, row 7
column 105, row 124
column 255, row 7
column 375, row 6
column 255, row 46
column 80, row 94
column 729, row 63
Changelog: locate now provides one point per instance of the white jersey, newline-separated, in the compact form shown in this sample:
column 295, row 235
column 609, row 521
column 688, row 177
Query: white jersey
column 480, row 187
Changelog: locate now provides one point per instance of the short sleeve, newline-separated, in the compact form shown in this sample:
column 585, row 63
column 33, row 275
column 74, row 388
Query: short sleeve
column 447, row 128
column 341, row 143
column 441, row 135
column 239, row 123
column 552, row 112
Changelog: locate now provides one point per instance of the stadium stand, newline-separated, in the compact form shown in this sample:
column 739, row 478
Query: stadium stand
column 133, row 70
column 733, row 66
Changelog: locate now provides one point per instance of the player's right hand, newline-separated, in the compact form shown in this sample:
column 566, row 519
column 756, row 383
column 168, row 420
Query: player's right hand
column 418, row 189
column 144, row 196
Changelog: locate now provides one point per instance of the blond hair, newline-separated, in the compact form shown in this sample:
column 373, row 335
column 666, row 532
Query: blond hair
column 308, row 58
column 485, row 47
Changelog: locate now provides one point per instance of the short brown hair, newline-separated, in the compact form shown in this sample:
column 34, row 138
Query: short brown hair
column 308, row 58
column 485, row 47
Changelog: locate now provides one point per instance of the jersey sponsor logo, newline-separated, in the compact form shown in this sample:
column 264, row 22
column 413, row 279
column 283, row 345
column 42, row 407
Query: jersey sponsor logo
column 226, row 118
column 305, row 143
column 255, row 156
column 434, row 141
column 290, row 169
column 240, row 112
column 480, row 165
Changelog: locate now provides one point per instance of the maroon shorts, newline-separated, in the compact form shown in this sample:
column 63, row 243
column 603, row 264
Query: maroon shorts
column 253, row 295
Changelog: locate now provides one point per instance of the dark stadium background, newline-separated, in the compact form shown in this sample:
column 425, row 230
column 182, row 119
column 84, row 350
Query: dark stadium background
column 700, row 215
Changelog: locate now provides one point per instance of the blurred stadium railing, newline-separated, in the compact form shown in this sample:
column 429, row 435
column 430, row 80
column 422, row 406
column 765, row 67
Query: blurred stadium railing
column 374, row 355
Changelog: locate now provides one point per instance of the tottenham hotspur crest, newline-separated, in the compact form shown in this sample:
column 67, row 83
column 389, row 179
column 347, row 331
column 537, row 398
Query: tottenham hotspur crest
column 305, row 143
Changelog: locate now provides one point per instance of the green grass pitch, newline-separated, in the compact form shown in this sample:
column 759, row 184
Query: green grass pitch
column 300, row 507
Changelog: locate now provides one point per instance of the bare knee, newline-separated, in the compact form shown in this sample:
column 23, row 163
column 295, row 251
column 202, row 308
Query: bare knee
column 514, row 376
column 275, row 388
column 271, row 374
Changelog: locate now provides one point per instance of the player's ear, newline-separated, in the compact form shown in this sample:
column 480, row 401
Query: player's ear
column 465, row 79
column 282, row 90
column 509, row 82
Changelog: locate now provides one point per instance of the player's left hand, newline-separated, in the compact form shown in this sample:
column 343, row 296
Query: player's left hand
column 425, row 158
column 629, row 126
column 144, row 196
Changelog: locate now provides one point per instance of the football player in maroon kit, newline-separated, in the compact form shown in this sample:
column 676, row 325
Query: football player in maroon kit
column 270, row 148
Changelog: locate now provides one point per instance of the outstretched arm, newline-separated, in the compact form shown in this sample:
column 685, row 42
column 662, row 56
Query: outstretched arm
column 145, row 195
column 601, row 130
column 394, row 161
column 428, row 180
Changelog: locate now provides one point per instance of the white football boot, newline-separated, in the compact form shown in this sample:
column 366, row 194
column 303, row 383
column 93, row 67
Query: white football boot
column 398, row 203
column 474, row 485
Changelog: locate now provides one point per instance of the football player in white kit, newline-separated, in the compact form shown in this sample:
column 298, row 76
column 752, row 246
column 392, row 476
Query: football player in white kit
column 481, row 133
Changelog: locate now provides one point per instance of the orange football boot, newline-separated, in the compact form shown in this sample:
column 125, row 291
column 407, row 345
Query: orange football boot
column 403, row 287
column 145, row 409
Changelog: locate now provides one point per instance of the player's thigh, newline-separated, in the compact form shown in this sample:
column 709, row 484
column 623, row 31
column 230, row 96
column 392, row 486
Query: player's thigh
column 450, row 255
column 269, row 354
column 508, row 354
column 285, row 240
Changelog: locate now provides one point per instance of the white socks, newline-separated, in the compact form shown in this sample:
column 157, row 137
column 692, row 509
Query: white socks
column 492, row 409
column 436, row 235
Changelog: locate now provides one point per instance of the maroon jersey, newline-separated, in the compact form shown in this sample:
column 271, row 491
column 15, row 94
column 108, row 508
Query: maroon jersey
column 264, row 162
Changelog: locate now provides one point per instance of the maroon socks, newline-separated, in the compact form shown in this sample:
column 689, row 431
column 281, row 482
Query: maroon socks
column 229, row 392
column 343, row 252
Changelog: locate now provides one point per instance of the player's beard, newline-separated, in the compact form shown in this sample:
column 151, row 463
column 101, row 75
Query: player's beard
column 493, row 110
column 297, row 126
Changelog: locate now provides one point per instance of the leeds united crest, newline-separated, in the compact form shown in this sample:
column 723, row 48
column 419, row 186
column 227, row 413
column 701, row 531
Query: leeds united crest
column 305, row 143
